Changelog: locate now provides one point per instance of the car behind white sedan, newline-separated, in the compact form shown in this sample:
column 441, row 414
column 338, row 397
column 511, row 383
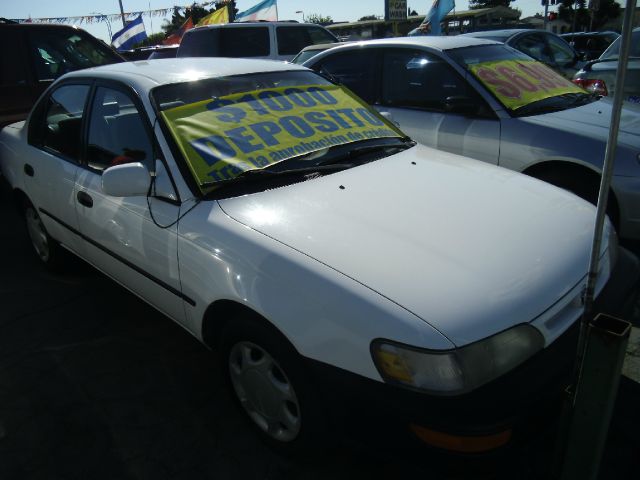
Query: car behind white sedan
column 277, row 217
column 488, row 101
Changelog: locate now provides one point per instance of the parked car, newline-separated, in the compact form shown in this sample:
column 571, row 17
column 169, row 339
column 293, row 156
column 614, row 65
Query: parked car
column 150, row 52
column 307, row 52
column 34, row 55
column 590, row 45
column 281, row 220
column 490, row 102
column 599, row 76
column 267, row 40
column 545, row 47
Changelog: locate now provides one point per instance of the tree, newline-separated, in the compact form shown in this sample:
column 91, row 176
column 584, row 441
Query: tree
column 368, row 17
column 319, row 19
column 608, row 10
column 153, row 39
column 196, row 12
column 476, row 4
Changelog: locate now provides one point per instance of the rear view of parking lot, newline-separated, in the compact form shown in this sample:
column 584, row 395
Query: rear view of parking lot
column 96, row 384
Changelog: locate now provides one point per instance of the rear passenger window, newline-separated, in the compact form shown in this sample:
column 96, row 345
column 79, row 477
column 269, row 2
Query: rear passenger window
column 293, row 39
column 63, row 120
column 117, row 133
column 227, row 42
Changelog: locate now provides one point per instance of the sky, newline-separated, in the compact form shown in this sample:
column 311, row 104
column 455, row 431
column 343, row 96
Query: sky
column 338, row 10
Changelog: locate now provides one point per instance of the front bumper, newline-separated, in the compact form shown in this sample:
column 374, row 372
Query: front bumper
column 503, row 412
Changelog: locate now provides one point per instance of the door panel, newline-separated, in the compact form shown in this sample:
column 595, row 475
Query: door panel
column 52, row 167
column 132, row 239
column 415, row 89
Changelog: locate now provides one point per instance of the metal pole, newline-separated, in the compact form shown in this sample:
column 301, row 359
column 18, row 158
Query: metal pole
column 124, row 24
column 608, row 337
column 607, row 171
column 546, row 13
column 571, row 421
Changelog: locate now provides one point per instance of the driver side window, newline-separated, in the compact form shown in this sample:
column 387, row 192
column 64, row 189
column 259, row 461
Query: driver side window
column 117, row 132
column 416, row 79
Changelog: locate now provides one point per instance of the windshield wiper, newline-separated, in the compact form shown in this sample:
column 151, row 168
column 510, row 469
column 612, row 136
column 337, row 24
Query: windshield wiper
column 365, row 149
column 556, row 104
column 263, row 174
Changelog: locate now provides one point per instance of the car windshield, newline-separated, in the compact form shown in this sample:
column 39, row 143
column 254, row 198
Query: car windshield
column 613, row 51
column 522, row 85
column 61, row 53
column 305, row 55
column 274, row 122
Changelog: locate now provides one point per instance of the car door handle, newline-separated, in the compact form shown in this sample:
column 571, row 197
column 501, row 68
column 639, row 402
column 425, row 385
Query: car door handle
column 85, row 199
column 28, row 169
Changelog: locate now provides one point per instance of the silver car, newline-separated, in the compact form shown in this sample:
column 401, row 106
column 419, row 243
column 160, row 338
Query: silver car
column 599, row 76
column 488, row 101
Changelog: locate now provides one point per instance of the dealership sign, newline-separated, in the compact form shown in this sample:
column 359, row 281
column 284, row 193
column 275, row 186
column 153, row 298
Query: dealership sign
column 395, row 9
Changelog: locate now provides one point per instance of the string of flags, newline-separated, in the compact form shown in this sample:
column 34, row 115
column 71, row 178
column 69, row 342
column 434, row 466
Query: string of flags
column 114, row 17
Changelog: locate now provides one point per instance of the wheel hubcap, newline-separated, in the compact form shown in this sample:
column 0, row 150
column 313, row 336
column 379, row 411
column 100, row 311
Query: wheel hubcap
column 264, row 391
column 38, row 234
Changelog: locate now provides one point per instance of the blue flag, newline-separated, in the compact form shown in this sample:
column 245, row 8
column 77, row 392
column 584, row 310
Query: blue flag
column 133, row 33
column 265, row 10
column 431, row 23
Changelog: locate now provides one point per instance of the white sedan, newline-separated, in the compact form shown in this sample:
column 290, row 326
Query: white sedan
column 274, row 215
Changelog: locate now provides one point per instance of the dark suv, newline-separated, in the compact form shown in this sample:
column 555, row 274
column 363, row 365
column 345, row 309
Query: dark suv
column 33, row 55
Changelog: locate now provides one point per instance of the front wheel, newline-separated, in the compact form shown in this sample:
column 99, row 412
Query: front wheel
column 46, row 248
column 270, row 384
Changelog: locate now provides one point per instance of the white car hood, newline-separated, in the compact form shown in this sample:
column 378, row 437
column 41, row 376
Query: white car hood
column 593, row 120
column 468, row 247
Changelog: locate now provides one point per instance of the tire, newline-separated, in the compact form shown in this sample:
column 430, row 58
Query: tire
column 267, row 379
column 48, row 251
column 584, row 187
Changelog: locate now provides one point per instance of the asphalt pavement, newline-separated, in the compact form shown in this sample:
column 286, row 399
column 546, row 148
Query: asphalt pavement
column 95, row 384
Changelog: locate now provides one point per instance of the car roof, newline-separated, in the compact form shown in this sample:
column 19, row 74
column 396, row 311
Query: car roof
column 323, row 46
column 254, row 24
column 589, row 34
column 146, row 74
column 505, row 33
column 441, row 43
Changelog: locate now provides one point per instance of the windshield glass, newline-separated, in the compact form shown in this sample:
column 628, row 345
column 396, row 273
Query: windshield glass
column 227, row 126
column 614, row 50
column 515, row 79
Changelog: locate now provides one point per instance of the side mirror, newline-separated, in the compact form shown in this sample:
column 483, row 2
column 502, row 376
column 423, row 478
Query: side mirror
column 126, row 180
column 462, row 105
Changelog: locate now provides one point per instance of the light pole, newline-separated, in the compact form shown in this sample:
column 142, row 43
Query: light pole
column 300, row 11
column 106, row 19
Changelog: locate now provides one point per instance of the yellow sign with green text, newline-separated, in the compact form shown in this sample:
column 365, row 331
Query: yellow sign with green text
column 225, row 136
column 517, row 83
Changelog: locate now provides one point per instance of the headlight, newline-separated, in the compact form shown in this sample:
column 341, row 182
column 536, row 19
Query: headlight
column 456, row 371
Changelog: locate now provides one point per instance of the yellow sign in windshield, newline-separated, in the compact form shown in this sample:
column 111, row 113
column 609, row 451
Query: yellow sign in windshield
column 517, row 83
column 225, row 136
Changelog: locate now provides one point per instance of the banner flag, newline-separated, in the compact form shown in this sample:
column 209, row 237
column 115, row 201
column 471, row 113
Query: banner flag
column 176, row 37
column 130, row 35
column 431, row 23
column 265, row 10
column 221, row 15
